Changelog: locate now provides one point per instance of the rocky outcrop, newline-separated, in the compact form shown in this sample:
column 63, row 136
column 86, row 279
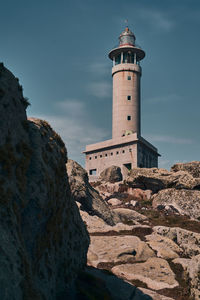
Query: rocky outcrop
column 120, row 249
column 155, row 273
column 43, row 241
column 185, row 202
column 165, row 247
column 187, row 240
column 192, row 270
column 158, row 179
column 111, row 174
column 85, row 194
column 192, row 168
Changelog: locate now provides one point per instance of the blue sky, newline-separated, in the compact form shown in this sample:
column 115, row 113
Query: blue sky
column 59, row 49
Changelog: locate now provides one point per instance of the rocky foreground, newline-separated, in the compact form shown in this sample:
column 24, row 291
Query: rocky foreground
column 154, row 244
column 43, row 240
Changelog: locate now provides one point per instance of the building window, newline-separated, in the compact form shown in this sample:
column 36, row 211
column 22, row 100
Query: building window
column 129, row 97
column 117, row 152
column 106, row 154
column 95, row 157
column 130, row 150
column 111, row 153
column 128, row 118
column 128, row 77
column 100, row 155
column 90, row 158
column 93, row 171
column 123, row 151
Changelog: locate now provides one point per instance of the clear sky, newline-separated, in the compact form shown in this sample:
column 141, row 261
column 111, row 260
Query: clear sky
column 59, row 49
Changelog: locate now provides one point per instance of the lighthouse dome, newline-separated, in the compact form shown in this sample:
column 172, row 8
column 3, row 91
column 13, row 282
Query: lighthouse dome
column 127, row 37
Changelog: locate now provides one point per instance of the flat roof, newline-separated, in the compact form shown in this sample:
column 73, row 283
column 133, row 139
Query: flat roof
column 132, row 138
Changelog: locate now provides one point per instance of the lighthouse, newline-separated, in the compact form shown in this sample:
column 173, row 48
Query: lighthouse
column 126, row 73
column 127, row 149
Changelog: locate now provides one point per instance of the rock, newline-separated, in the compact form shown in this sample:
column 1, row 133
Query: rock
column 158, row 179
column 184, row 262
column 129, row 215
column 155, row 273
column 114, row 201
column 154, row 295
column 186, row 202
column 164, row 246
column 192, row 168
column 134, row 203
column 192, row 269
column 139, row 194
column 117, row 289
column 187, row 240
column 97, row 225
column 112, row 249
column 107, row 188
column 111, row 174
column 84, row 193
column 43, row 240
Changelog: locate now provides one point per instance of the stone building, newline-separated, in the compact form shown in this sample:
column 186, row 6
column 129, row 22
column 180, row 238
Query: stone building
column 127, row 149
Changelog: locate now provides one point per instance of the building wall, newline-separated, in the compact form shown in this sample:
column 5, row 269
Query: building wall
column 146, row 157
column 118, row 156
column 122, row 107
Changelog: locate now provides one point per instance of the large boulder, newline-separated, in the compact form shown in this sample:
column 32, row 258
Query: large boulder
column 157, row 179
column 85, row 194
column 43, row 240
column 192, row 168
column 185, row 202
column 111, row 174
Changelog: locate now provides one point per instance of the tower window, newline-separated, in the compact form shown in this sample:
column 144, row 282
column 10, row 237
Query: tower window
column 128, row 118
column 129, row 97
column 106, row 154
column 90, row 158
column 100, row 155
column 123, row 151
column 111, row 153
column 95, row 157
column 93, row 171
column 117, row 152
column 128, row 77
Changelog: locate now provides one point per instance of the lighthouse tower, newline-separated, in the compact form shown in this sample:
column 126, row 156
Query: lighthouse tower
column 126, row 74
column 127, row 149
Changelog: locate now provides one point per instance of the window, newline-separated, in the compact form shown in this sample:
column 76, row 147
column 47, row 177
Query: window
column 95, row 157
column 128, row 166
column 129, row 97
column 118, row 59
column 123, row 151
column 111, row 153
column 128, row 118
column 100, row 155
column 90, row 158
column 117, row 152
column 93, row 171
column 130, row 150
column 106, row 154
column 128, row 77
